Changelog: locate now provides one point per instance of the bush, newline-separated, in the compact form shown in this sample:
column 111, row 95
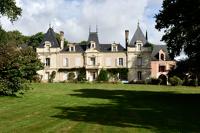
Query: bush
column 192, row 82
column 81, row 75
column 175, row 81
column 103, row 75
column 71, row 76
column 37, row 79
column 155, row 81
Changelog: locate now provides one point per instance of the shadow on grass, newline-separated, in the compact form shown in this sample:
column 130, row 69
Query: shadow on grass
column 161, row 111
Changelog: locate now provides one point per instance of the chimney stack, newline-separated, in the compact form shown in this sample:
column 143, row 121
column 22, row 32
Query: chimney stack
column 62, row 39
column 126, row 38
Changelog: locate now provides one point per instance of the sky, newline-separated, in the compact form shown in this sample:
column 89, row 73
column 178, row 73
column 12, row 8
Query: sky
column 74, row 17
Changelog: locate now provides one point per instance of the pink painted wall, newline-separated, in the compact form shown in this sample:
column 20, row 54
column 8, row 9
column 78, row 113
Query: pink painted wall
column 155, row 67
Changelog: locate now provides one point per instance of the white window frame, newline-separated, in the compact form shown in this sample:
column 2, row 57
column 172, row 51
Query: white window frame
column 121, row 61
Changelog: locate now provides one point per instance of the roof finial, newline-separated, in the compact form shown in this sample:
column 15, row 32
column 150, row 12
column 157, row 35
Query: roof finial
column 50, row 25
column 96, row 28
column 138, row 24
column 146, row 35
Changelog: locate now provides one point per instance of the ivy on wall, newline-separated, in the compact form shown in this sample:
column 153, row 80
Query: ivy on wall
column 123, row 72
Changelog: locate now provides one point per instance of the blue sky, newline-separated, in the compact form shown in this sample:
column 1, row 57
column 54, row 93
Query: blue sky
column 75, row 16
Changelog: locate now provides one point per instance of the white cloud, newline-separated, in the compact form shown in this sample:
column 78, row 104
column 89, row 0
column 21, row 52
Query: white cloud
column 74, row 17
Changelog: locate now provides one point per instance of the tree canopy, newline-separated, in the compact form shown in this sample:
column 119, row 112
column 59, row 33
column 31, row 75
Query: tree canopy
column 8, row 8
column 180, row 20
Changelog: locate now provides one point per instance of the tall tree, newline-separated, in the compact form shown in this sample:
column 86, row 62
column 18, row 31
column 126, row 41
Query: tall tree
column 180, row 20
column 36, row 39
column 16, row 37
column 8, row 8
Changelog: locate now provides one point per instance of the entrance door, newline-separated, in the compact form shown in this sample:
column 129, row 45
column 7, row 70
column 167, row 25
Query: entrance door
column 93, row 76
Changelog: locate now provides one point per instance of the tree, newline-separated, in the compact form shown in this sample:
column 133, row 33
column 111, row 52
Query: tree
column 17, row 66
column 36, row 39
column 3, row 36
column 16, row 37
column 30, row 63
column 103, row 75
column 180, row 20
column 8, row 8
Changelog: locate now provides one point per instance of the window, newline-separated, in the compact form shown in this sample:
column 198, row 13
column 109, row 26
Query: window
column 139, row 47
column 162, row 57
column 65, row 62
column 114, row 48
column 93, row 61
column 139, row 74
column 48, row 47
column 139, row 61
column 72, row 49
column 121, row 62
column 162, row 69
column 92, row 45
column 47, row 62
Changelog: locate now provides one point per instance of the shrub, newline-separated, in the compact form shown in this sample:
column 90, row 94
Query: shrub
column 81, row 75
column 192, row 82
column 37, row 79
column 174, row 81
column 103, row 75
column 155, row 81
column 71, row 76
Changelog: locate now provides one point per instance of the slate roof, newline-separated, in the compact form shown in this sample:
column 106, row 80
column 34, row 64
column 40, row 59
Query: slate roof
column 108, row 48
column 93, row 36
column 102, row 47
column 51, row 37
column 138, row 36
column 155, row 52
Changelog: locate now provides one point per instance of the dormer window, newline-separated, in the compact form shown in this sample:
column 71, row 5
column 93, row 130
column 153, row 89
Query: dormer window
column 92, row 45
column 162, row 57
column 114, row 48
column 139, row 47
column 47, row 45
column 72, row 48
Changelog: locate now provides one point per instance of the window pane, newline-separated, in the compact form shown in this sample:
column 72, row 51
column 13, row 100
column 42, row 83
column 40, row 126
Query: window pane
column 121, row 61
column 162, row 69
column 47, row 63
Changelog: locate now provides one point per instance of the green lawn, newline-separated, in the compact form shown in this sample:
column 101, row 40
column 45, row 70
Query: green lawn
column 102, row 108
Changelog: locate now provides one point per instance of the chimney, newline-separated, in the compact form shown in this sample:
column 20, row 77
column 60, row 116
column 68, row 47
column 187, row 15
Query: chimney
column 62, row 39
column 126, row 38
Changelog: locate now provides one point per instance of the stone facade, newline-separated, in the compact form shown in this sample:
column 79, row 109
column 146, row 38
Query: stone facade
column 94, row 56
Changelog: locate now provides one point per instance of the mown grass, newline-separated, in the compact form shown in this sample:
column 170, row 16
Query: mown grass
column 102, row 108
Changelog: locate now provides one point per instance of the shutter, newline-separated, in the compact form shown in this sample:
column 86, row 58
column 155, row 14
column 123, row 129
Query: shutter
column 117, row 62
column 64, row 62
column 45, row 61
column 124, row 61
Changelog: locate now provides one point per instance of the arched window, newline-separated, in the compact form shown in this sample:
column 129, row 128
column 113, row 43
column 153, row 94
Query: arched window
column 162, row 57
